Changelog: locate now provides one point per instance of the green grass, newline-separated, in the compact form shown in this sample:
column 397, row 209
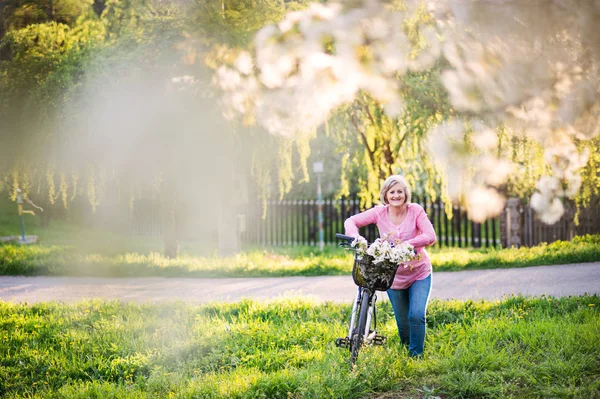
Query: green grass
column 294, row 261
column 521, row 348
column 580, row 249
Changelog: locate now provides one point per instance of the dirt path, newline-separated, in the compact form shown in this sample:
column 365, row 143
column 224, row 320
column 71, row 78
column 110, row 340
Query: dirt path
column 563, row 280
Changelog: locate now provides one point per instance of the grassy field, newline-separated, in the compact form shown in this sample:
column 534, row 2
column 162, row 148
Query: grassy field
column 115, row 260
column 521, row 348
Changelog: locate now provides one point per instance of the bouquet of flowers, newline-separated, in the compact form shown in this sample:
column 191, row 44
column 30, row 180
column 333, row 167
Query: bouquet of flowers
column 384, row 251
column 377, row 263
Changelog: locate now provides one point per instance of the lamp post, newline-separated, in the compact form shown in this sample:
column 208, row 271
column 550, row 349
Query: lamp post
column 318, row 170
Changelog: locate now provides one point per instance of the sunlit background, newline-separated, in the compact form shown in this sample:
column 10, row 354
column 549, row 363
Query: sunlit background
column 183, row 119
column 192, row 140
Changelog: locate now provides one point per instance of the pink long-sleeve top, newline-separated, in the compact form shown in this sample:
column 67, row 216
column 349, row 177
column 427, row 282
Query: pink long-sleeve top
column 415, row 229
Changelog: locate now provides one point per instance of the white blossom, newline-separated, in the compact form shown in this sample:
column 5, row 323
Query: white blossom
column 243, row 63
column 549, row 209
column 496, row 171
column 548, row 185
column 483, row 203
column 486, row 139
column 228, row 79
column 291, row 83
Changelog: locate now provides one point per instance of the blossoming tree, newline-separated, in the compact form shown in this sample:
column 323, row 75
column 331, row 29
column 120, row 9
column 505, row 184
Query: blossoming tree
column 516, row 73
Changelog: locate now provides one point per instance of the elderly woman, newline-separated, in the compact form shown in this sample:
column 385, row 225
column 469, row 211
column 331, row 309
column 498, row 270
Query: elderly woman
column 398, row 218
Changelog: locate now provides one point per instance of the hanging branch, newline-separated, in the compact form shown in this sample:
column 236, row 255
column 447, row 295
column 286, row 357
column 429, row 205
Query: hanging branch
column 363, row 137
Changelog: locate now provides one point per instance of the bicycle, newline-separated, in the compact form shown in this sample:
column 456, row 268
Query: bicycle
column 369, row 278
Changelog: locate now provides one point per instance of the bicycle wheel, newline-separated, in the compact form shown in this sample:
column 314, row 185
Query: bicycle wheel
column 359, row 331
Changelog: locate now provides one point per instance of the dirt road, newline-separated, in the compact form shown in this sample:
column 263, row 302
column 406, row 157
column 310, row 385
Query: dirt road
column 563, row 280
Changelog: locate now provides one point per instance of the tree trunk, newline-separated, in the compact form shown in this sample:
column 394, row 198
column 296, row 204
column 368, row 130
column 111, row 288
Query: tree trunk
column 228, row 231
column 45, row 218
column 229, row 202
column 169, row 222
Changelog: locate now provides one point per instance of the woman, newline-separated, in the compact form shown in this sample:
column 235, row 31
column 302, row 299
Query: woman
column 398, row 218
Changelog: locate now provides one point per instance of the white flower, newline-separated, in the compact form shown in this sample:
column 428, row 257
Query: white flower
column 538, row 201
column 392, row 54
column 486, row 139
column 563, row 156
column 290, row 19
column 376, row 28
column 273, row 73
column 324, row 12
column 228, row 78
column 382, row 251
column 553, row 212
column 497, row 171
column 547, row 185
column 186, row 79
column 548, row 208
column 360, row 243
column 265, row 37
column 484, row 203
column 243, row 63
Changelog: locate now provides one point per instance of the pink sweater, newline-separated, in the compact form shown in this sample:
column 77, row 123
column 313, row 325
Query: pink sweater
column 416, row 229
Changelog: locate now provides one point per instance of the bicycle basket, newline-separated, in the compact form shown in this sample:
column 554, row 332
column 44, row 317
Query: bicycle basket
column 375, row 276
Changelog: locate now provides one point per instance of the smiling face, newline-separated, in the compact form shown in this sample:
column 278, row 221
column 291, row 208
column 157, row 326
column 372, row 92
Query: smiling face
column 396, row 195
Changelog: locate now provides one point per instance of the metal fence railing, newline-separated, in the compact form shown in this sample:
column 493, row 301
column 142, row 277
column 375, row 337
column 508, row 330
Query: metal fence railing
column 296, row 223
column 521, row 226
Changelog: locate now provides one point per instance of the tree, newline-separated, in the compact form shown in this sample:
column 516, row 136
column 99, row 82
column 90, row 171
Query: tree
column 17, row 14
column 391, row 145
column 528, row 80
column 37, row 65
column 109, row 108
column 48, row 70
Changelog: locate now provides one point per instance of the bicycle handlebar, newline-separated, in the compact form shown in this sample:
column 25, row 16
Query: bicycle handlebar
column 344, row 237
column 345, row 241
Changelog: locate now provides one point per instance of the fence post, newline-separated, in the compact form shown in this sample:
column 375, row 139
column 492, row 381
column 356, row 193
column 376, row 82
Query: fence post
column 513, row 223
column 475, row 235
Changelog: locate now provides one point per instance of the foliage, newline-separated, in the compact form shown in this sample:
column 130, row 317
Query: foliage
column 18, row 14
column 517, row 347
column 87, row 95
column 40, row 64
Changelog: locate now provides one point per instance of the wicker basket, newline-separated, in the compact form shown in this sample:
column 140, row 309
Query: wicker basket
column 375, row 276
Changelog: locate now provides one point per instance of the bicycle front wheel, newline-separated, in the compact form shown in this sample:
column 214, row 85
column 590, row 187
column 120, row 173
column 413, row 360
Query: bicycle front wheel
column 359, row 332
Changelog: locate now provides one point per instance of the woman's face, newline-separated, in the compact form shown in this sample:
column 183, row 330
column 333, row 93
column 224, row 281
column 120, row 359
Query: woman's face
column 396, row 195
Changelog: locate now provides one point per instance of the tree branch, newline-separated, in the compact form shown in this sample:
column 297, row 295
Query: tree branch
column 363, row 137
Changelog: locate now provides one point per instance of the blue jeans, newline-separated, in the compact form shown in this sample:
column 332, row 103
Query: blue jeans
column 409, row 306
